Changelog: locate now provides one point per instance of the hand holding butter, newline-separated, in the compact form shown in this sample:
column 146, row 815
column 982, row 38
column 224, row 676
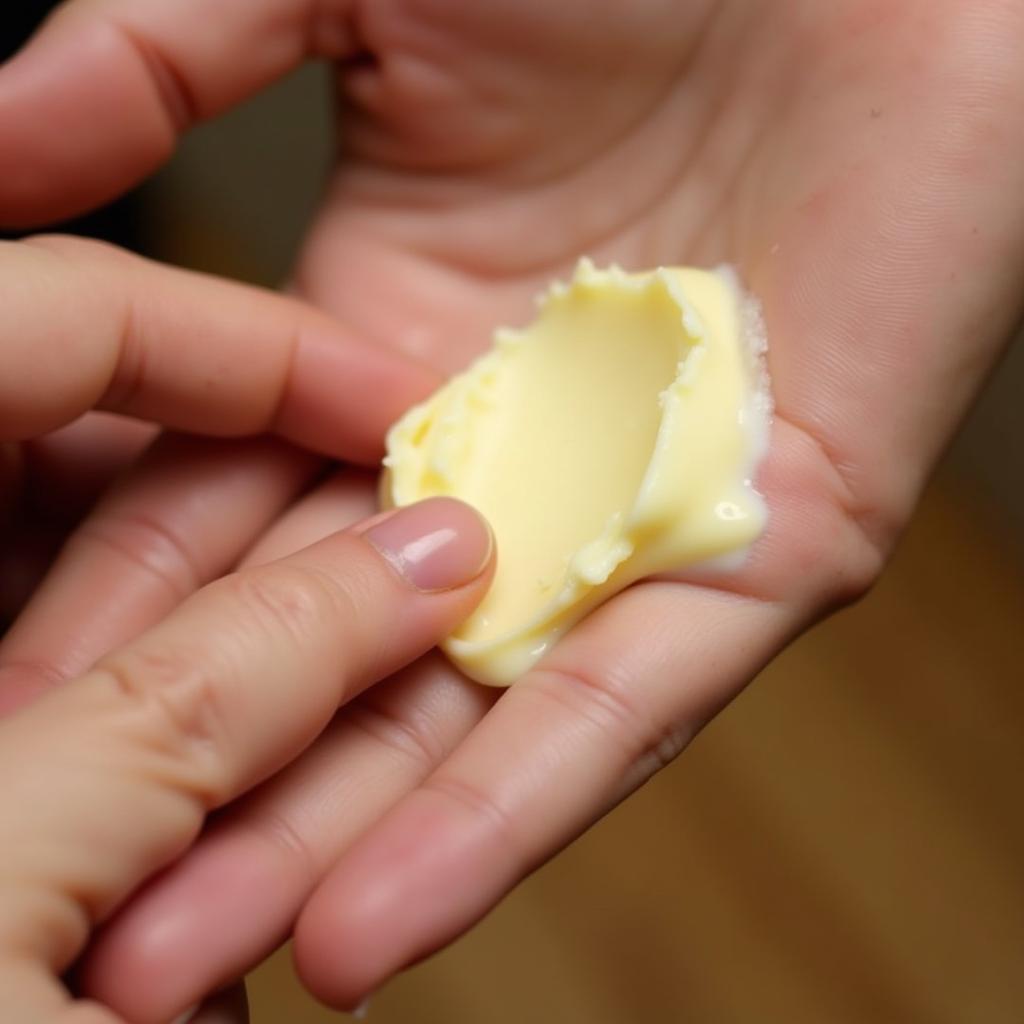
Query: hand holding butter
column 613, row 439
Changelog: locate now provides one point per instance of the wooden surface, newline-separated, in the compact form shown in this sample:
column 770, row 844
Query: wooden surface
column 844, row 844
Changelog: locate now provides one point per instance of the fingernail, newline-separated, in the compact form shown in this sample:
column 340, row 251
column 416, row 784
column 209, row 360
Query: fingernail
column 437, row 544
column 362, row 1011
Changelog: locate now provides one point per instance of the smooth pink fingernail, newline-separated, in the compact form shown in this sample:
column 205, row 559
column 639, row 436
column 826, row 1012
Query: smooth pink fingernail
column 438, row 544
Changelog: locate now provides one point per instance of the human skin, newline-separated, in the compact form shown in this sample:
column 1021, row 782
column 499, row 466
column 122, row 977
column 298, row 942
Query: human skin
column 857, row 161
column 194, row 712
column 110, row 778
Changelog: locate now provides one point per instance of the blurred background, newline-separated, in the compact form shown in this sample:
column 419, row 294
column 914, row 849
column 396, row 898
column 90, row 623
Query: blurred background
column 844, row 844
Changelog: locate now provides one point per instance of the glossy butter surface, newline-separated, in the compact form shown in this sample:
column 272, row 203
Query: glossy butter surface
column 614, row 438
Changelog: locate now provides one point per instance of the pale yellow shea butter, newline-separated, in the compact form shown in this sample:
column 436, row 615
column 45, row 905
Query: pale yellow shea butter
column 614, row 438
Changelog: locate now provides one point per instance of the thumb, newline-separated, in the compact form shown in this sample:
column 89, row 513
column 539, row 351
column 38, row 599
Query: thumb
column 109, row 779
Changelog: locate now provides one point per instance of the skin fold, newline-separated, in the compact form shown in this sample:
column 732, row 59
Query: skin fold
column 857, row 161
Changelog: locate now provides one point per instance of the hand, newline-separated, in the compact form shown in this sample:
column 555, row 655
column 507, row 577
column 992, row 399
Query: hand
column 856, row 160
column 126, row 762
column 244, row 362
column 193, row 713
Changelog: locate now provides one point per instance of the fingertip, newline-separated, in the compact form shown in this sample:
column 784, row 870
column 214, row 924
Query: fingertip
column 435, row 545
column 180, row 937
column 419, row 879
column 337, row 974
column 341, row 945
column 57, row 156
column 134, row 965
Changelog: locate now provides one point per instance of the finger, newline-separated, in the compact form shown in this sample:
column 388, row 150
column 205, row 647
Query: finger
column 50, row 483
column 68, row 469
column 188, row 351
column 543, row 765
column 61, row 152
column 617, row 698
column 197, row 926
column 32, row 996
column 181, row 519
column 344, row 498
column 202, row 707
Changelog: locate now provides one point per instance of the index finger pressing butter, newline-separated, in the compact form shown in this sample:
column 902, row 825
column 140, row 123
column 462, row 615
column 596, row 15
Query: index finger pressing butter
column 614, row 438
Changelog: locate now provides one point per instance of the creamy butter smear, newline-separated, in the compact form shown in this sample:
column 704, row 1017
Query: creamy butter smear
column 614, row 438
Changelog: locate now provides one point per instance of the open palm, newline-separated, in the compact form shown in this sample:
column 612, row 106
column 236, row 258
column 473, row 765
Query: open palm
column 857, row 161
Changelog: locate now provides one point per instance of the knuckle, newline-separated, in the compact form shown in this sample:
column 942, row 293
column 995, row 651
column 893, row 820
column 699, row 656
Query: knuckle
column 607, row 703
column 108, row 287
column 838, row 535
column 149, row 544
column 285, row 837
column 645, row 745
column 182, row 105
column 174, row 711
column 314, row 605
column 472, row 800
column 299, row 602
column 660, row 753
column 22, row 675
column 412, row 740
column 837, row 563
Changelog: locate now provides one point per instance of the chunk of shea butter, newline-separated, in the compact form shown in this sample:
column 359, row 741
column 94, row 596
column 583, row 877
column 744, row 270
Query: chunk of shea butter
column 614, row 438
